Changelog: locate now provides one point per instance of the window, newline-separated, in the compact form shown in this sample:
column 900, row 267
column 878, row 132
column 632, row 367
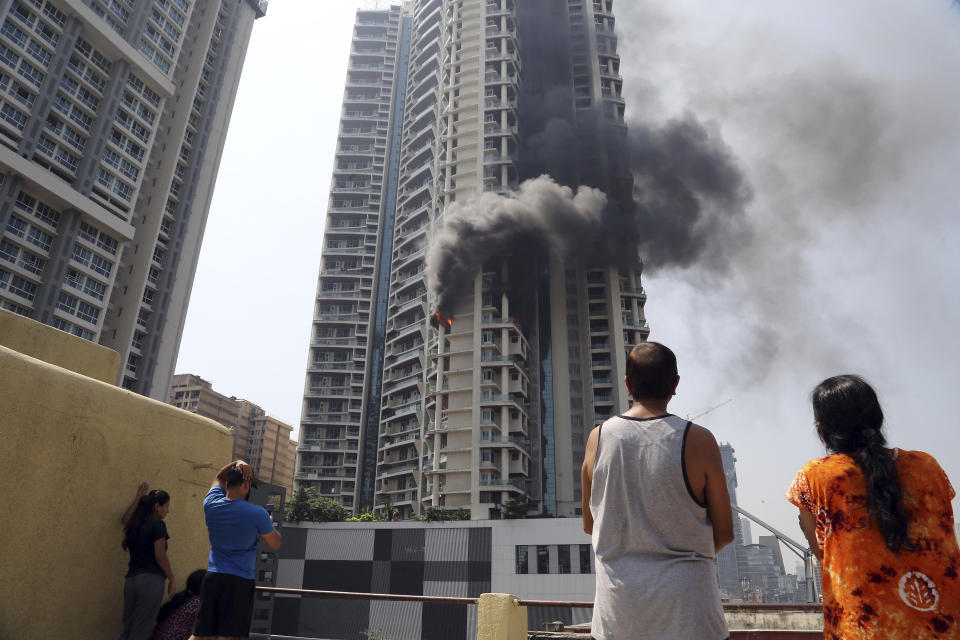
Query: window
column 13, row 116
column 22, row 288
column 586, row 552
column 521, row 552
column 107, row 243
column 31, row 73
column 17, row 226
column 88, row 312
column 8, row 251
column 74, row 279
column 39, row 53
column 39, row 238
column 67, row 303
column 543, row 558
column 563, row 558
column 46, row 214
column 100, row 265
column 95, row 289
column 14, row 33
column 31, row 263
column 111, row 158
column 88, row 232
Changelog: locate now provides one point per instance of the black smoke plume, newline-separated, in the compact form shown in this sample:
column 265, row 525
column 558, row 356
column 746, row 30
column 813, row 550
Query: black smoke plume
column 592, row 189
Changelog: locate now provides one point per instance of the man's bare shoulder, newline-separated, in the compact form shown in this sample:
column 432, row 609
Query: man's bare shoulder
column 701, row 440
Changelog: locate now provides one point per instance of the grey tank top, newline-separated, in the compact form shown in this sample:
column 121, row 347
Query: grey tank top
column 656, row 578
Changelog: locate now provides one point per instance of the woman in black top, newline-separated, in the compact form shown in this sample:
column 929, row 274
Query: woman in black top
column 145, row 537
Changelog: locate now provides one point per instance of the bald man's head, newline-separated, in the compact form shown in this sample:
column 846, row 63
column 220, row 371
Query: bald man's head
column 651, row 371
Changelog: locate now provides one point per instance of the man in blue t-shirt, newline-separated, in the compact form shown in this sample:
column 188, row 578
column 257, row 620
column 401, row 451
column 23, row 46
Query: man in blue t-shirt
column 226, row 597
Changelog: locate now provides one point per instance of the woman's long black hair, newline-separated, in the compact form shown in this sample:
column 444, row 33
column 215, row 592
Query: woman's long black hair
column 194, row 582
column 849, row 421
column 143, row 511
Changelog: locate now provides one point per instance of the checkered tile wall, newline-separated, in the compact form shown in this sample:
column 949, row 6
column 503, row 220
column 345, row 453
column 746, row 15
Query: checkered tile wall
column 448, row 562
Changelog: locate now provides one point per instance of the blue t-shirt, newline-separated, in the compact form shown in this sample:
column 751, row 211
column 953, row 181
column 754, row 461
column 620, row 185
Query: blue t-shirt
column 234, row 526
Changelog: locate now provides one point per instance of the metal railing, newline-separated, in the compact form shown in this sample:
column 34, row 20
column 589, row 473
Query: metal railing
column 523, row 602
column 507, row 602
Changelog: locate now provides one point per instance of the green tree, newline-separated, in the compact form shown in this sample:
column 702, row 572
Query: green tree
column 389, row 512
column 516, row 508
column 306, row 506
column 298, row 506
column 444, row 515
column 327, row 510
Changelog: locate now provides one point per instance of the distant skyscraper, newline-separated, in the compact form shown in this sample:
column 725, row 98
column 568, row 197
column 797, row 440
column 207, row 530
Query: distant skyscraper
column 774, row 545
column 759, row 570
column 731, row 559
column 747, row 533
column 496, row 405
column 113, row 116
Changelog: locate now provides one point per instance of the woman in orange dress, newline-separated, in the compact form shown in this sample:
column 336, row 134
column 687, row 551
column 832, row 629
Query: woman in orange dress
column 881, row 523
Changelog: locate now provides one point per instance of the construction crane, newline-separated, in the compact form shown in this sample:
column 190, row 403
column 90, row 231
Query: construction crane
column 713, row 408
column 803, row 551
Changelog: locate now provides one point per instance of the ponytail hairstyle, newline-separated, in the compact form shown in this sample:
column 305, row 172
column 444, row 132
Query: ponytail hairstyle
column 849, row 420
column 143, row 511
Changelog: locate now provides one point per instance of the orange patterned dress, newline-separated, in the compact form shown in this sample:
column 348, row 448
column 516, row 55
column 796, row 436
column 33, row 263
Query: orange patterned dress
column 869, row 592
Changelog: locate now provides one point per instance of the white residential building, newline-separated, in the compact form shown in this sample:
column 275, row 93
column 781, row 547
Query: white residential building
column 113, row 116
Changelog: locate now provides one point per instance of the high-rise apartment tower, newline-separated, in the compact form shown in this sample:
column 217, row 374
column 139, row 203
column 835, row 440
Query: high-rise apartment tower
column 113, row 116
column 490, row 405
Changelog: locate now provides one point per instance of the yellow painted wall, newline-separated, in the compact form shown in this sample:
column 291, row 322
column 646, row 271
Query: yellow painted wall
column 57, row 347
column 72, row 451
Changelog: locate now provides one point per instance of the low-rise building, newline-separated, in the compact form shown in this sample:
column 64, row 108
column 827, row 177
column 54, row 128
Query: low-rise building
column 261, row 440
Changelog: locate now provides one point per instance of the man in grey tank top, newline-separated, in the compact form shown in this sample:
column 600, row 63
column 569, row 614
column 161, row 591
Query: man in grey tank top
column 655, row 502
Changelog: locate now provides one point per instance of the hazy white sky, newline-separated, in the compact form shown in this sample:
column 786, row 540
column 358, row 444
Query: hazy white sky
column 845, row 121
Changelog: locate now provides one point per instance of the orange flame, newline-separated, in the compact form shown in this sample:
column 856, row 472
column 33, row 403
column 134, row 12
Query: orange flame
column 443, row 319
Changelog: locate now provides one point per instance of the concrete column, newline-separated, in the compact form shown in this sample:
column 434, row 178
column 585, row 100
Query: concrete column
column 136, row 23
column 56, row 269
column 500, row 617
column 5, row 7
column 8, row 195
column 102, row 126
column 48, row 88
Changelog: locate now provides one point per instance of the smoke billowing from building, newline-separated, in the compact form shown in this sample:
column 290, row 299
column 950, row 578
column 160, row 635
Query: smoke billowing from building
column 670, row 193
column 540, row 214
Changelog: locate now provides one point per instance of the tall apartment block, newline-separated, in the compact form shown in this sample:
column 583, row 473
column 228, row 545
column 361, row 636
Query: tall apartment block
column 494, row 405
column 113, row 116
column 263, row 441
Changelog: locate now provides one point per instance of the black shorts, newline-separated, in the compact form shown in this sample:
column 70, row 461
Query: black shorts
column 226, row 605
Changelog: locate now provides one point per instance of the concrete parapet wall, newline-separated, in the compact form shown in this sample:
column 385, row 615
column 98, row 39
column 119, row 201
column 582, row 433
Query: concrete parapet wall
column 500, row 617
column 74, row 449
column 775, row 621
column 43, row 342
